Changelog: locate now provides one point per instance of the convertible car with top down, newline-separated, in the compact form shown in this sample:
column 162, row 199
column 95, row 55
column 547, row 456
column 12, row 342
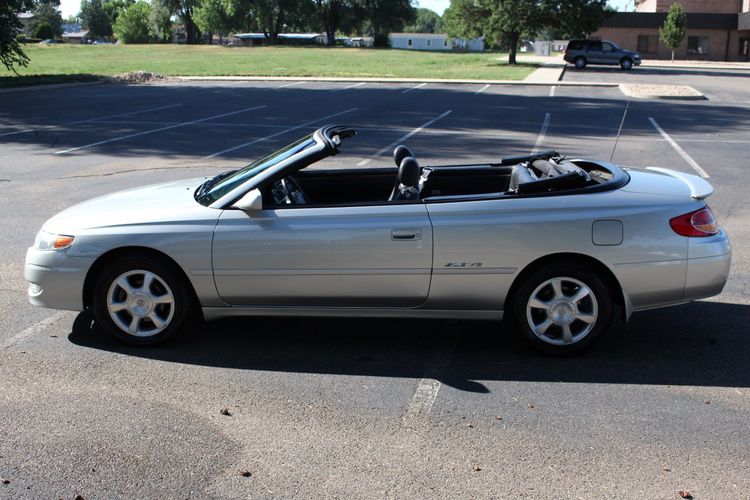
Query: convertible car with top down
column 556, row 246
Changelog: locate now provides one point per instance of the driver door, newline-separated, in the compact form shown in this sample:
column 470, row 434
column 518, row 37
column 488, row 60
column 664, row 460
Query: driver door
column 362, row 256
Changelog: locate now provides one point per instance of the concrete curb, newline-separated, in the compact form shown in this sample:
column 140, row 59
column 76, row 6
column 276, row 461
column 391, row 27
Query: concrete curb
column 51, row 86
column 386, row 80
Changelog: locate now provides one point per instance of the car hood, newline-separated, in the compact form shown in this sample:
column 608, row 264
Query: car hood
column 630, row 53
column 169, row 202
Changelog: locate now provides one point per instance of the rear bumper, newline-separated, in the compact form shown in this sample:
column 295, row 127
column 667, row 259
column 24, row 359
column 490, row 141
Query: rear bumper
column 709, row 260
column 55, row 279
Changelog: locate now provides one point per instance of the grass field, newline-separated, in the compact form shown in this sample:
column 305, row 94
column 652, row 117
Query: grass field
column 73, row 61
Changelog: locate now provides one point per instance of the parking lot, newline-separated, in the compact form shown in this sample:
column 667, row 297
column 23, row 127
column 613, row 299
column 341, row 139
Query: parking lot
column 360, row 407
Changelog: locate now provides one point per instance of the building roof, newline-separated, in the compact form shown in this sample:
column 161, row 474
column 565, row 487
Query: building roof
column 420, row 35
column 76, row 34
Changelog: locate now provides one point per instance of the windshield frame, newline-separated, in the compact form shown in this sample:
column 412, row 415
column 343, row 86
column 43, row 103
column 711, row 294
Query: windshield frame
column 254, row 181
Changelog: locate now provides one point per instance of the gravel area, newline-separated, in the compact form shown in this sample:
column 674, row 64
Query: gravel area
column 660, row 91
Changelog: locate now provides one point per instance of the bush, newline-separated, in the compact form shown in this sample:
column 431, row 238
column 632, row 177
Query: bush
column 44, row 30
column 133, row 24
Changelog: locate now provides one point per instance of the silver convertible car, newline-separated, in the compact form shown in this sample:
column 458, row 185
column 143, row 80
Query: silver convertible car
column 559, row 247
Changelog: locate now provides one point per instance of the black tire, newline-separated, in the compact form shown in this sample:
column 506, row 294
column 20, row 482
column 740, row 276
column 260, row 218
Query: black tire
column 167, row 282
column 580, row 62
column 626, row 64
column 574, row 278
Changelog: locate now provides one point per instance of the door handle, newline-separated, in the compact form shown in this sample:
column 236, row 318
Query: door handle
column 406, row 234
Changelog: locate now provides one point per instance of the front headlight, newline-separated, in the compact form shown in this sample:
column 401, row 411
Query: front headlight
column 49, row 241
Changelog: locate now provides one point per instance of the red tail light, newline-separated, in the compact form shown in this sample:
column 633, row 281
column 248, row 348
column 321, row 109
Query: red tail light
column 698, row 223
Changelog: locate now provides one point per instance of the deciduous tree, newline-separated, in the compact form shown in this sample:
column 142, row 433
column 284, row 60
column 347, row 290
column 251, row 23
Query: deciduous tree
column 95, row 18
column 673, row 32
column 133, row 23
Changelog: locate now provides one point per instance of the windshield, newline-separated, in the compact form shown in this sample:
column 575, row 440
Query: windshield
column 218, row 186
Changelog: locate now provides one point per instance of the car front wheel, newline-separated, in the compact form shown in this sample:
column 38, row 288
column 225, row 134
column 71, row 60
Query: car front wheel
column 580, row 62
column 562, row 309
column 140, row 300
column 626, row 64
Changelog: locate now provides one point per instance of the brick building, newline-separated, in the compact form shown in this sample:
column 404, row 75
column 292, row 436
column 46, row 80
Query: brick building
column 717, row 30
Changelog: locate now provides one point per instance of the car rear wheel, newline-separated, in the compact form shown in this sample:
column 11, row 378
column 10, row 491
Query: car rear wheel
column 580, row 62
column 141, row 300
column 626, row 64
column 562, row 309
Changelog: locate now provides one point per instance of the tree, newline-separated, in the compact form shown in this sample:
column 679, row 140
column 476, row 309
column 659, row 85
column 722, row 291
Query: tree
column 211, row 17
column 329, row 13
column 161, row 22
column 44, row 31
column 576, row 18
column 47, row 18
column 133, row 23
column 95, row 18
column 497, row 20
column 385, row 16
column 427, row 21
column 673, row 32
column 184, row 10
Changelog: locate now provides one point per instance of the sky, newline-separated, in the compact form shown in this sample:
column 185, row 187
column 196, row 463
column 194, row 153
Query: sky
column 71, row 7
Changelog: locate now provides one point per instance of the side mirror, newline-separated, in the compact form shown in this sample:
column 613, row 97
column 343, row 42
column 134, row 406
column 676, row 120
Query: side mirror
column 251, row 202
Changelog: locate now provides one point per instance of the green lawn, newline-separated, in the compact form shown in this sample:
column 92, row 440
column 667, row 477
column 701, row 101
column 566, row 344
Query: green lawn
column 72, row 61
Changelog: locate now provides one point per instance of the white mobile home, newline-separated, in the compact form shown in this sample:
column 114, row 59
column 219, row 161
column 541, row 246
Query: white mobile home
column 433, row 41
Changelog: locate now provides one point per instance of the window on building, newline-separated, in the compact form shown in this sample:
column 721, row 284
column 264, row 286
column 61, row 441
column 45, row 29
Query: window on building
column 445, row 42
column 648, row 44
column 697, row 45
column 408, row 42
column 429, row 43
column 745, row 47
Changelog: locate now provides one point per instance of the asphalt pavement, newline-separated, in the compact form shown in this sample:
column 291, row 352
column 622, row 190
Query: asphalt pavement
column 338, row 407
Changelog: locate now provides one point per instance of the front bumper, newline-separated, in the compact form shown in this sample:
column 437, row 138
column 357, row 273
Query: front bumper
column 55, row 279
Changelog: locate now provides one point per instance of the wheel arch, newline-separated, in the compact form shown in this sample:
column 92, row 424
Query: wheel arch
column 129, row 251
column 619, row 296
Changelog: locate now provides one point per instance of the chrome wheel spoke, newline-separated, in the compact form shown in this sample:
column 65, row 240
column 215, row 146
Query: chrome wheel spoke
column 557, row 288
column 586, row 318
column 122, row 282
column 157, row 321
column 116, row 307
column 567, row 334
column 582, row 293
column 133, row 326
column 543, row 326
column 535, row 303
column 163, row 299
column 148, row 278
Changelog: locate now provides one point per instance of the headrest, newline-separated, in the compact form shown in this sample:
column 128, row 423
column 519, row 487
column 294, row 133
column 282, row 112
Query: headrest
column 400, row 153
column 408, row 172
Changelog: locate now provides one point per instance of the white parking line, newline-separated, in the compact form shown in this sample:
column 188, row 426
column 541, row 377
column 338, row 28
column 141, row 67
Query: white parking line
column 482, row 89
column 17, row 132
column 350, row 86
column 34, row 329
column 306, row 124
column 552, row 91
column 681, row 151
column 542, row 133
column 290, row 85
column 126, row 114
column 414, row 88
column 423, row 399
column 160, row 129
column 401, row 139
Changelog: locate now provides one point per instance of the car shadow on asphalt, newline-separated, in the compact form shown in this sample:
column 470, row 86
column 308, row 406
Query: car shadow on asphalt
column 698, row 344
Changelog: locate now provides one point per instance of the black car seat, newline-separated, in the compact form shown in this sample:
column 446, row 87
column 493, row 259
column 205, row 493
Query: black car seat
column 407, row 182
